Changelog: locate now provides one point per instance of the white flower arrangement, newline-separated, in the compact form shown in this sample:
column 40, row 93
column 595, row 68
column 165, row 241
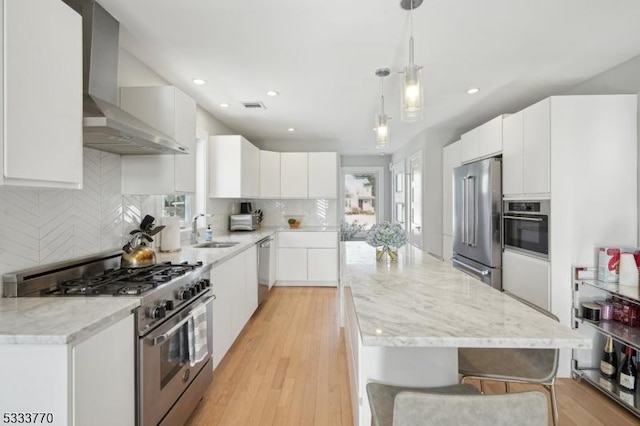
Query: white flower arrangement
column 387, row 235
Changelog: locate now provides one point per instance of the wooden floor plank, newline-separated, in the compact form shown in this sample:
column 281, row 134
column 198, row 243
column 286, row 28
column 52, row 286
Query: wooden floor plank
column 289, row 367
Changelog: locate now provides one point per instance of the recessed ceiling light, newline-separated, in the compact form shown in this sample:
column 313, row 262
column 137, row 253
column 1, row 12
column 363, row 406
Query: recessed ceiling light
column 291, row 129
column 198, row 81
column 272, row 93
column 473, row 90
column 224, row 105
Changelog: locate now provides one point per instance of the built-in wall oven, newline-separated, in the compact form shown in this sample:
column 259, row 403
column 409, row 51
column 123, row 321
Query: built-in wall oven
column 526, row 227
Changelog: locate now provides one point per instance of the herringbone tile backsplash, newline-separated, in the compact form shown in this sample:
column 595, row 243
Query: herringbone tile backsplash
column 44, row 226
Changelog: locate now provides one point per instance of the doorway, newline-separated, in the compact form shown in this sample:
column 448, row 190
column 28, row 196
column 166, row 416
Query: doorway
column 362, row 200
column 415, row 199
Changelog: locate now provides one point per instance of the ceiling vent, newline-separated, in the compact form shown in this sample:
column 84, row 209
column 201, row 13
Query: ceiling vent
column 254, row 105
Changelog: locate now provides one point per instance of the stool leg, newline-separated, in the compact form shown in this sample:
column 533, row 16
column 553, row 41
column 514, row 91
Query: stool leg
column 482, row 386
column 506, row 387
column 554, row 404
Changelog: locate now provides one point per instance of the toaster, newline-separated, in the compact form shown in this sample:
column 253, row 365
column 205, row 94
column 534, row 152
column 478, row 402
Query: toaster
column 244, row 222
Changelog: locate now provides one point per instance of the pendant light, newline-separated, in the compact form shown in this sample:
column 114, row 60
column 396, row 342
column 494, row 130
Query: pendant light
column 412, row 97
column 382, row 120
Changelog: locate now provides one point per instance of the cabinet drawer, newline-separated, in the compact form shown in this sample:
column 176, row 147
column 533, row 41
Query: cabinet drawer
column 308, row 239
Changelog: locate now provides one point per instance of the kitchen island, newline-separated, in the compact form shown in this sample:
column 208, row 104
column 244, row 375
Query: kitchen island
column 405, row 321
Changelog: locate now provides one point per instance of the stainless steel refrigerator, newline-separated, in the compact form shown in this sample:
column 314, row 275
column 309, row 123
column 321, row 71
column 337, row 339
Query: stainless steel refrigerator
column 477, row 222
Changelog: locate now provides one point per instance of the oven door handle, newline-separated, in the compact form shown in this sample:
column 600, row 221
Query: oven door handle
column 164, row 336
column 530, row 219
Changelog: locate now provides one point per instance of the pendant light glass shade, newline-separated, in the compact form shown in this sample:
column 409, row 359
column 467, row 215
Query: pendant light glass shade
column 412, row 94
column 381, row 119
column 382, row 131
column 411, row 97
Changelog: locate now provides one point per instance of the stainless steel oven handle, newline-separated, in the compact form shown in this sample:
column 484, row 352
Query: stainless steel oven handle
column 471, row 268
column 530, row 219
column 164, row 336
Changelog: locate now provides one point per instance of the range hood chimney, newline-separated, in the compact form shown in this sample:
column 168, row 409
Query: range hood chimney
column 106, row 126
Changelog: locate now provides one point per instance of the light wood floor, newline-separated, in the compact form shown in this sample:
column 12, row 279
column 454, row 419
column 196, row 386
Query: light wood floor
column 288, row 367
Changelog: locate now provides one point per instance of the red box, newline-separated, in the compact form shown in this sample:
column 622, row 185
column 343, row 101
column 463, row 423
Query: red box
column 630, row 315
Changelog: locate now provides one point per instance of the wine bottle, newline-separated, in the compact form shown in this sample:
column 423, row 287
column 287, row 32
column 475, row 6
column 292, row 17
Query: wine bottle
column 609, row 361
column 628, row 373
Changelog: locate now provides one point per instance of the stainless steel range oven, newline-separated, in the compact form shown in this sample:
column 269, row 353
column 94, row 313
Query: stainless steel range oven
column 526, row 227
column 174, row 330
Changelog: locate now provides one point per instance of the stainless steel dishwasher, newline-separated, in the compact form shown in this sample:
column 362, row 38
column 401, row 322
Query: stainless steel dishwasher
column 266, row 267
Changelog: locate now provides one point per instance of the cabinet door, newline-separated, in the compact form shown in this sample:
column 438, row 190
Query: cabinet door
column 42, row 96
column 104, row 391
column 251, row 281
column 322, row 265
column 269, row 174
column 527, row 278
column 451, row 158
column 292, row 264
column 536, row 148
column 323, row 175
column 490, row 137
column 185, row 164
column 447, row 247
column 250, row 170
column 512, row 152
column 222, row 278
column 470, row 145
column 301, row 239
column 294, row 175
column 224, row 167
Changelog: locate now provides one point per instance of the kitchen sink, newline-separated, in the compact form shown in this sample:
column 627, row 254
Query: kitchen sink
column 217, row 244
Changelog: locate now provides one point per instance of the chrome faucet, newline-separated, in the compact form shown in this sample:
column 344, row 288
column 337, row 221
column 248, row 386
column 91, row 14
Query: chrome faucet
column 194, row 227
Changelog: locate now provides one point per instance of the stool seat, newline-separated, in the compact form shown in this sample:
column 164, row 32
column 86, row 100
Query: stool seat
column 526, row 365
column 457, row 405
column 382, row 398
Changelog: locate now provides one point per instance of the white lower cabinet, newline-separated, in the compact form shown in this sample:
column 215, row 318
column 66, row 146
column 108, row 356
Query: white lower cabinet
column 235, row 284
column 527, row 277
column 90, row 383
column 307, row 258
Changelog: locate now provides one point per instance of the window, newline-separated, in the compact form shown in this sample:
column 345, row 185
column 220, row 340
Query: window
column 178, row 205
column 362, row 200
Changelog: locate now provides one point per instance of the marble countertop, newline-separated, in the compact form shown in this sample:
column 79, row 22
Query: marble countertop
column 59, row 320
column 422, row 301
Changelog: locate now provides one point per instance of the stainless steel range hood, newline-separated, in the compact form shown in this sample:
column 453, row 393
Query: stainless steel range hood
column 106, row 126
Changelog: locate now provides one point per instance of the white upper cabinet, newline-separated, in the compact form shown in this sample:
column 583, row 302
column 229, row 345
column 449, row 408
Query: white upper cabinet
column 234, row 167
column 512, row 147
column 269, row 174
column 41, row 108
column 526, row 147
column 294, row 175
column 483, row 141
column 323, row 175
column 172, row 112
column 536, row 148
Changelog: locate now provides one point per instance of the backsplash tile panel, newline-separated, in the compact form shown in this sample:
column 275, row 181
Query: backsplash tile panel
column 19, row 231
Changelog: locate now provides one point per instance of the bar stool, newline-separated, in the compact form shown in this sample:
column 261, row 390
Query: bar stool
column 457, row 405
column 533, row 366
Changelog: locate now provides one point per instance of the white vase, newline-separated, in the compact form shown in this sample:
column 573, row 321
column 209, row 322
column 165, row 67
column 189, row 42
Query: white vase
column 628, row 273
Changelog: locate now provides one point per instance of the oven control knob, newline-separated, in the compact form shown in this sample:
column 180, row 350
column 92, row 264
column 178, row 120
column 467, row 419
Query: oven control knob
column 157, row 312
column 193, row 290
column 205, row 283
column 197, row 287
column 167, row 305
column 184, row 294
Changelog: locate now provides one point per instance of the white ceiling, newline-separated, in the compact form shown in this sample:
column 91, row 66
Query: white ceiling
column 321, row 55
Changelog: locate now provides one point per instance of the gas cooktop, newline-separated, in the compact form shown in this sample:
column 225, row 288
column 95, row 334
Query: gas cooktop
column 120, row 282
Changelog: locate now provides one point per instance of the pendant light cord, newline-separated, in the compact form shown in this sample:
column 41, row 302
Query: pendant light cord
column 411, row 34
column 382, row 95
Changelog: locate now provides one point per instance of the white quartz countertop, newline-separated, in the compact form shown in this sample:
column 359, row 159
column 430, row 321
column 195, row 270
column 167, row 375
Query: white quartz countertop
column 422, row 301
column 59, row 320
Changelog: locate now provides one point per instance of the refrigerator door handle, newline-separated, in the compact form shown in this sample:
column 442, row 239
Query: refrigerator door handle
column 464, row 211
column 471, row 268
column 473, row 208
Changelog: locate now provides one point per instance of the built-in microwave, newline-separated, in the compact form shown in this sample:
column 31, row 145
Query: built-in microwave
column 526, row 227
